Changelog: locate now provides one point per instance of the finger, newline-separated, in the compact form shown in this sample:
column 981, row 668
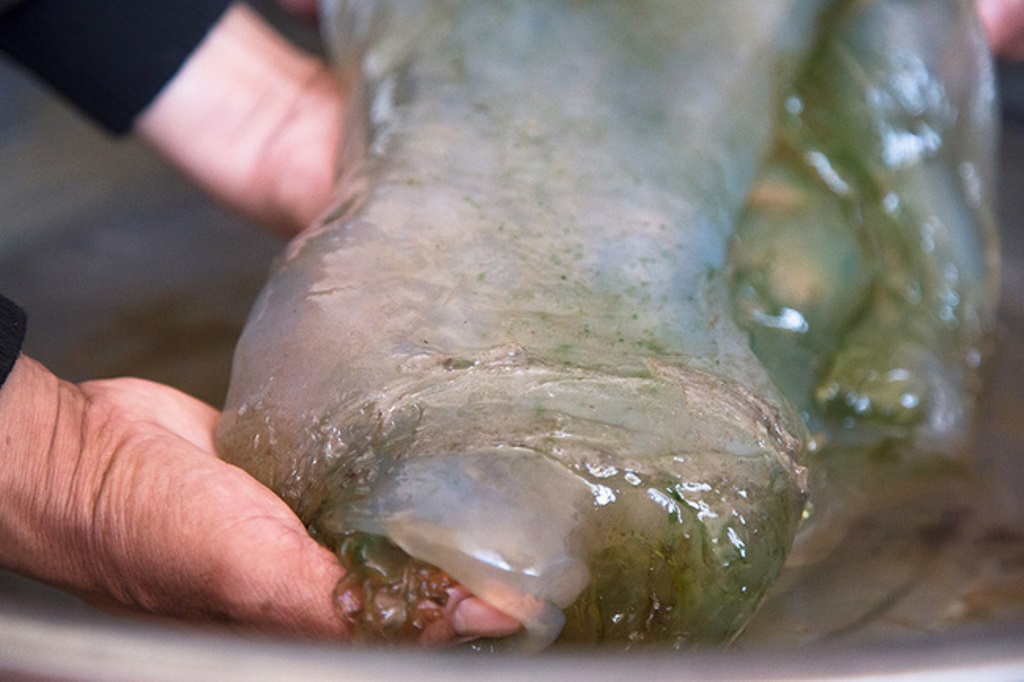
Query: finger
column 466, row 618
column 1004, row 23
column 474, row 618
column 259, row 561
column 287, row 586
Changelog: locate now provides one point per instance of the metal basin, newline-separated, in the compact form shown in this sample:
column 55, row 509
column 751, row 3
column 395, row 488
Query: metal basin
column 126, row 270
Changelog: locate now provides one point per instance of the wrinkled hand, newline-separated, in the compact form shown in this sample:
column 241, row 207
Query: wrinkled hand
column 1004, row 23
column 112, row 490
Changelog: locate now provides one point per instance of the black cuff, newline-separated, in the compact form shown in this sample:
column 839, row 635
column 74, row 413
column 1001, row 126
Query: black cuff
column 12, row 333
column 109, row 57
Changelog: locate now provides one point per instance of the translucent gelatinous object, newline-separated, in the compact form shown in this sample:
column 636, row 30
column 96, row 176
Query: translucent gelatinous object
column 509, row 352
column 866, row 263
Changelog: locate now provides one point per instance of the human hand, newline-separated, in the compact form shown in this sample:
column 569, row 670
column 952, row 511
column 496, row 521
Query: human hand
column 112, row 490
column 1004, row 23
column 253, row 121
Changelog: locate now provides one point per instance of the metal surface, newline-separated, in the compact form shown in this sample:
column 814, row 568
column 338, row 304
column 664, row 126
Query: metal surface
column 126, row 270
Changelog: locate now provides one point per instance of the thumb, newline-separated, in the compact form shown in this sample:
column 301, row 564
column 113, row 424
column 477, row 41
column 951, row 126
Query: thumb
column 273, row 576
column 246, row 556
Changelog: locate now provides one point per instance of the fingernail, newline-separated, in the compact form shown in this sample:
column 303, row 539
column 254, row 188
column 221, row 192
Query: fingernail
column 475, row 618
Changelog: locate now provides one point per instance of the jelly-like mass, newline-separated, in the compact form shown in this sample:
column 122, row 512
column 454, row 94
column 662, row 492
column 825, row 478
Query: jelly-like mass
column 596, row 276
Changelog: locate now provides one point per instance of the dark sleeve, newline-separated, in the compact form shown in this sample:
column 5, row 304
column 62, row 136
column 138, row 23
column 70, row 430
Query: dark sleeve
column 12, row 333
column 110, row 58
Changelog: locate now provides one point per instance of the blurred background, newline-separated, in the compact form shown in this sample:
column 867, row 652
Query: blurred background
column 126, row 270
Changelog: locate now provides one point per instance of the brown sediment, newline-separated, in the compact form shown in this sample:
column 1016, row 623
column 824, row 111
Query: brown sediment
column 386, row 595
